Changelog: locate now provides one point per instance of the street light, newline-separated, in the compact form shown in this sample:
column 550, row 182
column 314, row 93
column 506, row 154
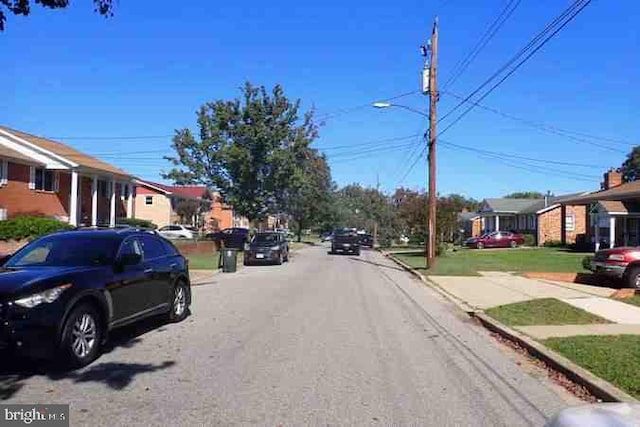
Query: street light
column 405, row 107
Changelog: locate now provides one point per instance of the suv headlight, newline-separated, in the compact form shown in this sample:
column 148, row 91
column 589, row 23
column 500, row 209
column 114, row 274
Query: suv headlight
column 48, row 296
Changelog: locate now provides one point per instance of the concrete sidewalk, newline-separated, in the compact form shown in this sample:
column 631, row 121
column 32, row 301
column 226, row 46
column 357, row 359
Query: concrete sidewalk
column 202, row 277
column 498, row 288
column 560, row 331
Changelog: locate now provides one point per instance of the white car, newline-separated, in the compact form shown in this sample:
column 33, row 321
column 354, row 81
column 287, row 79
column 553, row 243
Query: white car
column 177, row 232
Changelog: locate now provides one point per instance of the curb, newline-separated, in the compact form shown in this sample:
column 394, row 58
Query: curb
column 600, row 388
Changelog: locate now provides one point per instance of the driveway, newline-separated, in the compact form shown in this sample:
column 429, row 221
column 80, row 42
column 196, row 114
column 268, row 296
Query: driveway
column 322, row 340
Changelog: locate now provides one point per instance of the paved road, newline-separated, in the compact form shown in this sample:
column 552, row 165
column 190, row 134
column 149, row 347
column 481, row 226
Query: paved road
column 323, row 340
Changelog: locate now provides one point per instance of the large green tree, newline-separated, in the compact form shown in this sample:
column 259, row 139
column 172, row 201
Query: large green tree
column 23, row 7
column 245, row 148
column 631, row 166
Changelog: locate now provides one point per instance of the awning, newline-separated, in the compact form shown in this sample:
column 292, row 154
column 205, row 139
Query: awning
column 629, row 190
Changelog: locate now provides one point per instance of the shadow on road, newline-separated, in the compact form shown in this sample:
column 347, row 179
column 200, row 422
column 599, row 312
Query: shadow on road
column 391, row 267
column 15, row 368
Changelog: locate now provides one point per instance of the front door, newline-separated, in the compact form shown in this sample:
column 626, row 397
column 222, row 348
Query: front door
column 159, row 270
column 128, row 284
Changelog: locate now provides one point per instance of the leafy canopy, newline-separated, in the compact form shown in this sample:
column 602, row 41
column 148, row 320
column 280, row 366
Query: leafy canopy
column 525, row 195
column 631, row 166
column 23, row 7
column 245, row 148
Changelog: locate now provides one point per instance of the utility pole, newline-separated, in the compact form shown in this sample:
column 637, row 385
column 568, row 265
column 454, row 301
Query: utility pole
column 375, row 224
column 433, row 100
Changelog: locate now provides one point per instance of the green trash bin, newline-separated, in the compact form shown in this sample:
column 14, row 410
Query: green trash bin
column 229, row 260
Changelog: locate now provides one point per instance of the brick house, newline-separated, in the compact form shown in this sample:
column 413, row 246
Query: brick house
column 548, row 219
column 39, row 176
column 614, row 212
column 223, row 215
column 157, row 202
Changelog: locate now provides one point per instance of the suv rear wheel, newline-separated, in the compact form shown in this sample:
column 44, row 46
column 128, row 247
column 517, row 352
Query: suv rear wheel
column 179, row 302
column 81, row 337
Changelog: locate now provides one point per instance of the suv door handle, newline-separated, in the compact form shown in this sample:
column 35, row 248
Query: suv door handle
column 148, row 270
column 173, row 265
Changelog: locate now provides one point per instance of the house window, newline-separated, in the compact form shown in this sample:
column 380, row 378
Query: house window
column 570, row 222
column 44, row 179
column 148, row 200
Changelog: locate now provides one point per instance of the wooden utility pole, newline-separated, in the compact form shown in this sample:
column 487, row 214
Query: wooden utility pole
column 433, row 100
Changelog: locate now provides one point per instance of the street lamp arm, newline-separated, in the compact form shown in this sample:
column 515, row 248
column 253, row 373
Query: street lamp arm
column 405, row 107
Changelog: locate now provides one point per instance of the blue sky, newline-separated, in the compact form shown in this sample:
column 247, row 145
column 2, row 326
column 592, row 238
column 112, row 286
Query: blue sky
column 71, row 73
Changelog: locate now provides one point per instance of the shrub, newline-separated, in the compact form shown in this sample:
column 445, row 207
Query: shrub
column 586, row 262
column 553, row 244
column 529, row 239
column 30, row 227
column 137, row 222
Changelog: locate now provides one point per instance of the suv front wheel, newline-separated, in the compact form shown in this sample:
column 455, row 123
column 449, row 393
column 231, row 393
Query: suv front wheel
column 179, row 302
column 81, row 337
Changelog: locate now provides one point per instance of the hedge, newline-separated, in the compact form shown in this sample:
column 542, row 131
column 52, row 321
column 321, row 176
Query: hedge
column 136, row 222
column 29, row 227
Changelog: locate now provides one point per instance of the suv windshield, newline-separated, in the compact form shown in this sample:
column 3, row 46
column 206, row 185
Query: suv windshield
column 66, row 252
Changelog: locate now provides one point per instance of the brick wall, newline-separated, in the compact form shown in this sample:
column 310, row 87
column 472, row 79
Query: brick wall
column 552, row 227
column 159, row 212
column 476, row 227
column 18, row 199
column 221, row 213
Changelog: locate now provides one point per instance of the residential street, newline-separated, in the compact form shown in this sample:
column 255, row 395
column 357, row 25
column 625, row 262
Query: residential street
column 323, row 340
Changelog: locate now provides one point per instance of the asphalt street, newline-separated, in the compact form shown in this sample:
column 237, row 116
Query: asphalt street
column 322, row 340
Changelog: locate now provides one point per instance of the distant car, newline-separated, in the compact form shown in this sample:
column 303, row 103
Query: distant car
column 326, row 236
column 366, row 240
column 496, row 239
column 271, row 247
column 622, row 264
column 234, row 237
column 61, row 294
column 345, row 241
column 177, row 231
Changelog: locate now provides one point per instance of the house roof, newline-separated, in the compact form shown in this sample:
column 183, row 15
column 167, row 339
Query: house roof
column 8, row 153
column 467, row 216
column 623, row 207
column 629, row 190
column 66, row 152
column 505, row 205
column 188, row 191
column 552, row 201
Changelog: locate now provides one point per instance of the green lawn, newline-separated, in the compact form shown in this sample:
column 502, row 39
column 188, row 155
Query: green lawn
column 613, row 358
column 546, row 311
column 467, row 262
column 207, row 261
column 633, row 300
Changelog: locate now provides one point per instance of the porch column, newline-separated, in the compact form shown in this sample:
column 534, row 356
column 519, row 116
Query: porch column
column 497, row 223
column 130, row 201
column 612, row 231
column 625, row 232
column 73, row 205
column 94, row 201
column 483, row 225
column 597, row 231
column 112, row 204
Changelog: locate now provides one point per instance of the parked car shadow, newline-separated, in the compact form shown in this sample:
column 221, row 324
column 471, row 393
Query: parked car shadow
column 391, row 267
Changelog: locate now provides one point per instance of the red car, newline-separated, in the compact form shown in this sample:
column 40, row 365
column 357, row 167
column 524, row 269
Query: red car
column 496, row 239
column 618, row 263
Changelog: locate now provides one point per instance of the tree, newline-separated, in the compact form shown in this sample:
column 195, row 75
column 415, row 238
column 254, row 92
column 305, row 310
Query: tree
column 631, row 166
column 245, row 149
column 23, row 7
column 525, row 195
column 187, row 209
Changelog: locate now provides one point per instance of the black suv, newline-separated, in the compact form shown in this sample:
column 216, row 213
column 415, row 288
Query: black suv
column 267, row 247
column 61, row 294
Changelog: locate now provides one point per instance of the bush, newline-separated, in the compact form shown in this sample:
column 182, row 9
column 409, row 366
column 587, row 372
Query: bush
column 586, row 262
column 30, row 227
column 553, row 244
column 417, row 239
column 136, row 222
column 529, row 240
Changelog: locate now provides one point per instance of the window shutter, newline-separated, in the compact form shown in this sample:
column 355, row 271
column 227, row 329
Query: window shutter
column 56, row 182
column 32, row 178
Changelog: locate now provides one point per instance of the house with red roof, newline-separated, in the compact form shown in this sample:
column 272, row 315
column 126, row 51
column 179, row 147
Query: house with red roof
column 158, row 203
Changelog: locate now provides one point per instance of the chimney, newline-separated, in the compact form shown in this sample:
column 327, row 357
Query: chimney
column 612, row 178
column 546, row 199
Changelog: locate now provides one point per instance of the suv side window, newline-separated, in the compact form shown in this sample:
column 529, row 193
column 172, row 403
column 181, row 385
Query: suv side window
column 152, row 248
column 131, row 246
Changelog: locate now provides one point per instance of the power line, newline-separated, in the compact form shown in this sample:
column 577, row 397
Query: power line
column 413, row 165
column 342, row 111
column 527, row 51
column 489, row 33
column 549, row 128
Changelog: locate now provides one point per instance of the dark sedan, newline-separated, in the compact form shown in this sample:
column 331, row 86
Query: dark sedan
column 234, row 237
column 496, row 239
column 61, row 294
column 269, row 247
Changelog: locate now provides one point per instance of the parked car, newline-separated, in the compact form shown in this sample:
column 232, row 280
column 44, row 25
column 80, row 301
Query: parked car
column 61, row 294
column 345, row 241
column 496, row 239
column 597, row 414
column 366, row 240
column 326, row 236
column 622, row 264
column 177, row 231
column 270, row 247
column 234, row 237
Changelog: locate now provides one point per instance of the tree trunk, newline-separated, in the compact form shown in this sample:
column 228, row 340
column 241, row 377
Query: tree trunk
column 299, row 230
